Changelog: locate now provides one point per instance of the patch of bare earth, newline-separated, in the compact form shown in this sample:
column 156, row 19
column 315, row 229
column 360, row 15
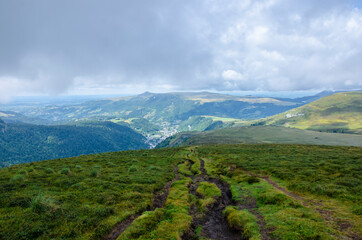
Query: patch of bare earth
column 213, row 223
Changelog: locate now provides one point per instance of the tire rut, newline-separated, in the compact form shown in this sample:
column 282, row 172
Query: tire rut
column 158, row 201
column 249, row 203
column 327, row 215
column 214, row 225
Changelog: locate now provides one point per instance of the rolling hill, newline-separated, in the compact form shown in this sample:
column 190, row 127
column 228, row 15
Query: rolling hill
column 21, row 143
column 166, row 107
column 157, row 115
column 262, row 191
column 340, row 112
column 261, row 134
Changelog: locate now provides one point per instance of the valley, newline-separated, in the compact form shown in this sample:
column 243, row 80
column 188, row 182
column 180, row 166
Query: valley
column 148, row 120
column 181, row 120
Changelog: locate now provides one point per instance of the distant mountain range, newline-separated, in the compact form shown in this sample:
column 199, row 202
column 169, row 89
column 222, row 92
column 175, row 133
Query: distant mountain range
column 143, row 121
column 162, row 107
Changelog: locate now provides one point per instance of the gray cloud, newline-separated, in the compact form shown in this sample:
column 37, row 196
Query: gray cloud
column 88, row 46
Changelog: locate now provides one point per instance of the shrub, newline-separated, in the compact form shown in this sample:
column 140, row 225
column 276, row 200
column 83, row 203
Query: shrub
column 95, row 171
column 17, row 178
column 49, row 170
column 132, row 169
column 65, row 171
column 40, row 203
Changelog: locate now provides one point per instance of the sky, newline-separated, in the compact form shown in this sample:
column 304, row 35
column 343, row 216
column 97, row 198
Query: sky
column 79, row 47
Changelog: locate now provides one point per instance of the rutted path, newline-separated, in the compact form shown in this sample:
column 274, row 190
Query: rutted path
column 158, row 201
column 327, row 215
column 213, row 223
column 249, row 203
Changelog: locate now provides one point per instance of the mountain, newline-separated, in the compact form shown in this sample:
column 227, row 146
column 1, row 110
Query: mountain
column 261, row 134
column 158, row 115
column 339, row 112
column 27, row 143
column 16, row 117
column 165, row 107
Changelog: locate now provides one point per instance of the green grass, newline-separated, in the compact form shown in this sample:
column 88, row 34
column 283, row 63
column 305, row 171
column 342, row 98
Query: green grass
column 340, row 112
column 209, row 193
column 81, row 197
column 169, row 222
column 184, row 168
column 288, row 218
column 321, row 170
column 85, row 197
column 329, row 175
column 263, row 134
column 244, row 221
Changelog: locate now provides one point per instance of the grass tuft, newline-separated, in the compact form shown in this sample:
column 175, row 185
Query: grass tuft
column 244, row 221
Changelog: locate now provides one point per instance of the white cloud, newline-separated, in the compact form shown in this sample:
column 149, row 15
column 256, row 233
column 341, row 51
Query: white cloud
column 208, row 44
column 232, row 75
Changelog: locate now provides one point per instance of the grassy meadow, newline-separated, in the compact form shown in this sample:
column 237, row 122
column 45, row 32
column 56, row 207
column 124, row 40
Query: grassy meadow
column 339, row 112
column 261, row 134
column 279, row 191
column 81, row 197
column 322, row 187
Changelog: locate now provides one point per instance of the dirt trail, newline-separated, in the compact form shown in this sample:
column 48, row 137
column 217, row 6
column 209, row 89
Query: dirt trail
column 213, row 224
column 158, row 201
column 343, row 225
column 249, row 203
column 120, row 227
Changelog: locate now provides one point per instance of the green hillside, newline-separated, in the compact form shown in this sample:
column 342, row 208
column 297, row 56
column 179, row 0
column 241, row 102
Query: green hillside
column 165, row 107
column 261, row 134
column 244, row 191
column 340, row 112
column 157, row 115
column 21, row 143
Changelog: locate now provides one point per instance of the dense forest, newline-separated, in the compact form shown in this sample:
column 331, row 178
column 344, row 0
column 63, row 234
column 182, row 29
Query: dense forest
column 21, row 143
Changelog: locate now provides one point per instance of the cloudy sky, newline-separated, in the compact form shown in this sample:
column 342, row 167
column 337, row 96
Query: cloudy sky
column 117, row 46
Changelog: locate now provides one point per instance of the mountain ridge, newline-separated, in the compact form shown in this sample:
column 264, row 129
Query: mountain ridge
column 339, row 112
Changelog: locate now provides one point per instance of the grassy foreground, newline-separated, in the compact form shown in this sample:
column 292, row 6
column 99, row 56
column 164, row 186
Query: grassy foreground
column 281, row 191
column 82, row 197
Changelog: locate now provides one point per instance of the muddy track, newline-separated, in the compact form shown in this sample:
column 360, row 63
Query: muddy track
column 214, row 225
column 160, row 197
column 120, row 227
column 327, row 215
column 249, row 203
column 158, row 201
